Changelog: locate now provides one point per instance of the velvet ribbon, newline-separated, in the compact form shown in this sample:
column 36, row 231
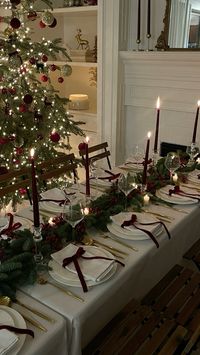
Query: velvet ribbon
column 110, row 178
column 11, row 227
column 133, row 222
column 17, row 330
column 79, row 254
column 59, row 202
column 177, row 191
column 136, row 162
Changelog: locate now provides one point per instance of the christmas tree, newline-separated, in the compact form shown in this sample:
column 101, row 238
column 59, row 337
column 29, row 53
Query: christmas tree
column 32, row 115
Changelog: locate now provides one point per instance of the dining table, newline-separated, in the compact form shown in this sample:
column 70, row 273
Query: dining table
column 144, row 266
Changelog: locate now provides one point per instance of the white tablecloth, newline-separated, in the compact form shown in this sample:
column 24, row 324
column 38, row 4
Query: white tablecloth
column 143, row 269
column 52, row 342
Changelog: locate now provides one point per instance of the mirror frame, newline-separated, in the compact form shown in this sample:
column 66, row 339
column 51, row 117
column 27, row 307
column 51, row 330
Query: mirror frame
column 162, row 42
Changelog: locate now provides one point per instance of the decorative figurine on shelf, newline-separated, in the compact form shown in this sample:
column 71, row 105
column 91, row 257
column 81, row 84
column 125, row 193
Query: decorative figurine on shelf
column 82, row 43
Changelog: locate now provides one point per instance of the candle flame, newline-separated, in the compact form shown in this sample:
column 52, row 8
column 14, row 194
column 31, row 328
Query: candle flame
column 32, row 152
column 158, row 103
column 198, row 103
column 50, row 221
column 86, row 211
column 149, row 134
column 87, row 139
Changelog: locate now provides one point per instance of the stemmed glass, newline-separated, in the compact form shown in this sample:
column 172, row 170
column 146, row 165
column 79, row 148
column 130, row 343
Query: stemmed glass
column 192, row 150
column 172, row 162
column 126, row 184
column 73, row 213
column 137, row 155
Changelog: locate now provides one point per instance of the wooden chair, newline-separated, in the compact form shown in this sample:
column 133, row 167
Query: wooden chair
column 177, row 297
column 138, row 330
column 193, row 254
column 12, row 181
column 97, row 152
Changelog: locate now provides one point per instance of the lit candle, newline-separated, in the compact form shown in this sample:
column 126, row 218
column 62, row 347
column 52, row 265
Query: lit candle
column 138, row 22
column 157, row 125
column 149, row 19
column 36, row 216
column 196, row 123
column 87, row 164
column 144, row 176
column 146, row 199
column 175, row 177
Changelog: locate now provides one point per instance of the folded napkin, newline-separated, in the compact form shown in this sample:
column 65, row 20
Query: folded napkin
column 141, row 218
column 7, row 338
column 55, row 196
column 185, row 192
column 176, row 197
column 11, row 227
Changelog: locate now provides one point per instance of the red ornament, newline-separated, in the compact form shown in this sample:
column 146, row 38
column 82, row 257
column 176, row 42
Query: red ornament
column 15, row 23
column 22, row 108
column 32, row 15
column 82, row 146
column 53, row 24
column 42, row 24
column 22, row 191
column 44, row 58
column 52, row 67
column 19, row 151
column 22, row 70
column 4, row 140
column 32, row 60
column 28, row 99
column 44, row 78
column 4, row 91
column 60, row 80
column 55, row 137
column 12, row 91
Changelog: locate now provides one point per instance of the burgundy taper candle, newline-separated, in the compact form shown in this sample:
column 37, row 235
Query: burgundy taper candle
column 149, row 19
column 138, row 21
column 144, row 175
column 87, row 165
column 36, row 215
column 196, row 123
column 157, row 126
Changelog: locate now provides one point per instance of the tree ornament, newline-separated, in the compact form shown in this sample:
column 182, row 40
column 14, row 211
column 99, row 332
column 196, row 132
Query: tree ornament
column 44, row 58
column 40, row 67
column 82, row 146
column 22, row 108
column 4, row 91
column 28, row 99
column 18, row 141
column 55, row 136
column 32, row 60
column 19, row 151
column 23, row 70
column 66, row 70
column 60, row 80
column 54, row 23
column 32, row 15
column 12, row 91
column 47, row 18
column 44, row 78
column 42, row 24
column 52, row 67
column 15, row 23
column 22, row 191
column 8, row 31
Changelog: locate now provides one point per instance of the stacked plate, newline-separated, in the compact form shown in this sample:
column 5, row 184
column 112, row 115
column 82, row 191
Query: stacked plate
column 25, row 223
column 163, row 193
column 95, row 271
column 53, row 194
column 10, row 343
column 194, row 176
column 130, row 232
column 132, row 164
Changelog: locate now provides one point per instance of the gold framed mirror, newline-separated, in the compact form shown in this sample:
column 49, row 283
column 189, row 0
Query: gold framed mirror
column 181, row 26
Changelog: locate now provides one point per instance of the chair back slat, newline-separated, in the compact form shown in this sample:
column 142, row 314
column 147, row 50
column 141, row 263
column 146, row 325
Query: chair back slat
column 99, row 155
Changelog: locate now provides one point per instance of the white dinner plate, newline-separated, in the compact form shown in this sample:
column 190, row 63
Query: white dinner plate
column 172, row 199
column 26, row 223
column 143, row 217
column 117, row 231
column 19, row 322
column 51, row 206
column 64, row 276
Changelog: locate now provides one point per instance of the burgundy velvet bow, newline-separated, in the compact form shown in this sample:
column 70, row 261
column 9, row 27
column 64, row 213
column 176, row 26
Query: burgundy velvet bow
column 109, row 178
column 177, row 191
column 59, row 202
column 11, row 227
column 17, row 330
column 133, row 222
column 79, row 254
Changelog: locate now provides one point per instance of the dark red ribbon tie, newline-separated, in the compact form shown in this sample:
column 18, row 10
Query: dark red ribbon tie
column 17, row 330
column 133, row 222
column 11, row 227
column 177, row 191
column 79, row 254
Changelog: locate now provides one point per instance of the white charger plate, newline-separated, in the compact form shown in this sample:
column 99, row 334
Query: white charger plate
column 117, row 231
column 175, row 200
column 64, row 276
column 19, row 322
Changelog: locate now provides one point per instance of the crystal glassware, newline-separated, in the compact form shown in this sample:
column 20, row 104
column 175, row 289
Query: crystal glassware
column 126, row 184
column 172, row 162
column 73, row 213
column 192, row 150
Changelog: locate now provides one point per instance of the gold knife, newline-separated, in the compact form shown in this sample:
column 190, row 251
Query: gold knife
column 34, row 322
column 35, row 311
column 119, row 241
column 110, row 247
column 69, row 293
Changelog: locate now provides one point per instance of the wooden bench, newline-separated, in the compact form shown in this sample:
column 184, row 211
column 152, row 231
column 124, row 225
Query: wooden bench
column 138, row 330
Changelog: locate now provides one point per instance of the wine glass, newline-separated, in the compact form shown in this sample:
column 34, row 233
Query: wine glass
column 192, row 150
column 73, row 213
column 126, row 184
column 137, row 156
column 172, row 162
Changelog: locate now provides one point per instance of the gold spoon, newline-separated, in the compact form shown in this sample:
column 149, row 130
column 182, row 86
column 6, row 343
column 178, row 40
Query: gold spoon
column 119, row 242
column 6, row 301
column 114, row 251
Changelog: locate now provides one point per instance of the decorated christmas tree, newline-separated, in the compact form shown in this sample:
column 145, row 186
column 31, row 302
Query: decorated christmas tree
column 32, row 114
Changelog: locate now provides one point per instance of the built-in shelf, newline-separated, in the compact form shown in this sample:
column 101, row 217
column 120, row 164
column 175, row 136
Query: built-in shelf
column 77, row 11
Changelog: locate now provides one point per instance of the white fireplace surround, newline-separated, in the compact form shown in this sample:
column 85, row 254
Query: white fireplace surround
column 143, row 76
